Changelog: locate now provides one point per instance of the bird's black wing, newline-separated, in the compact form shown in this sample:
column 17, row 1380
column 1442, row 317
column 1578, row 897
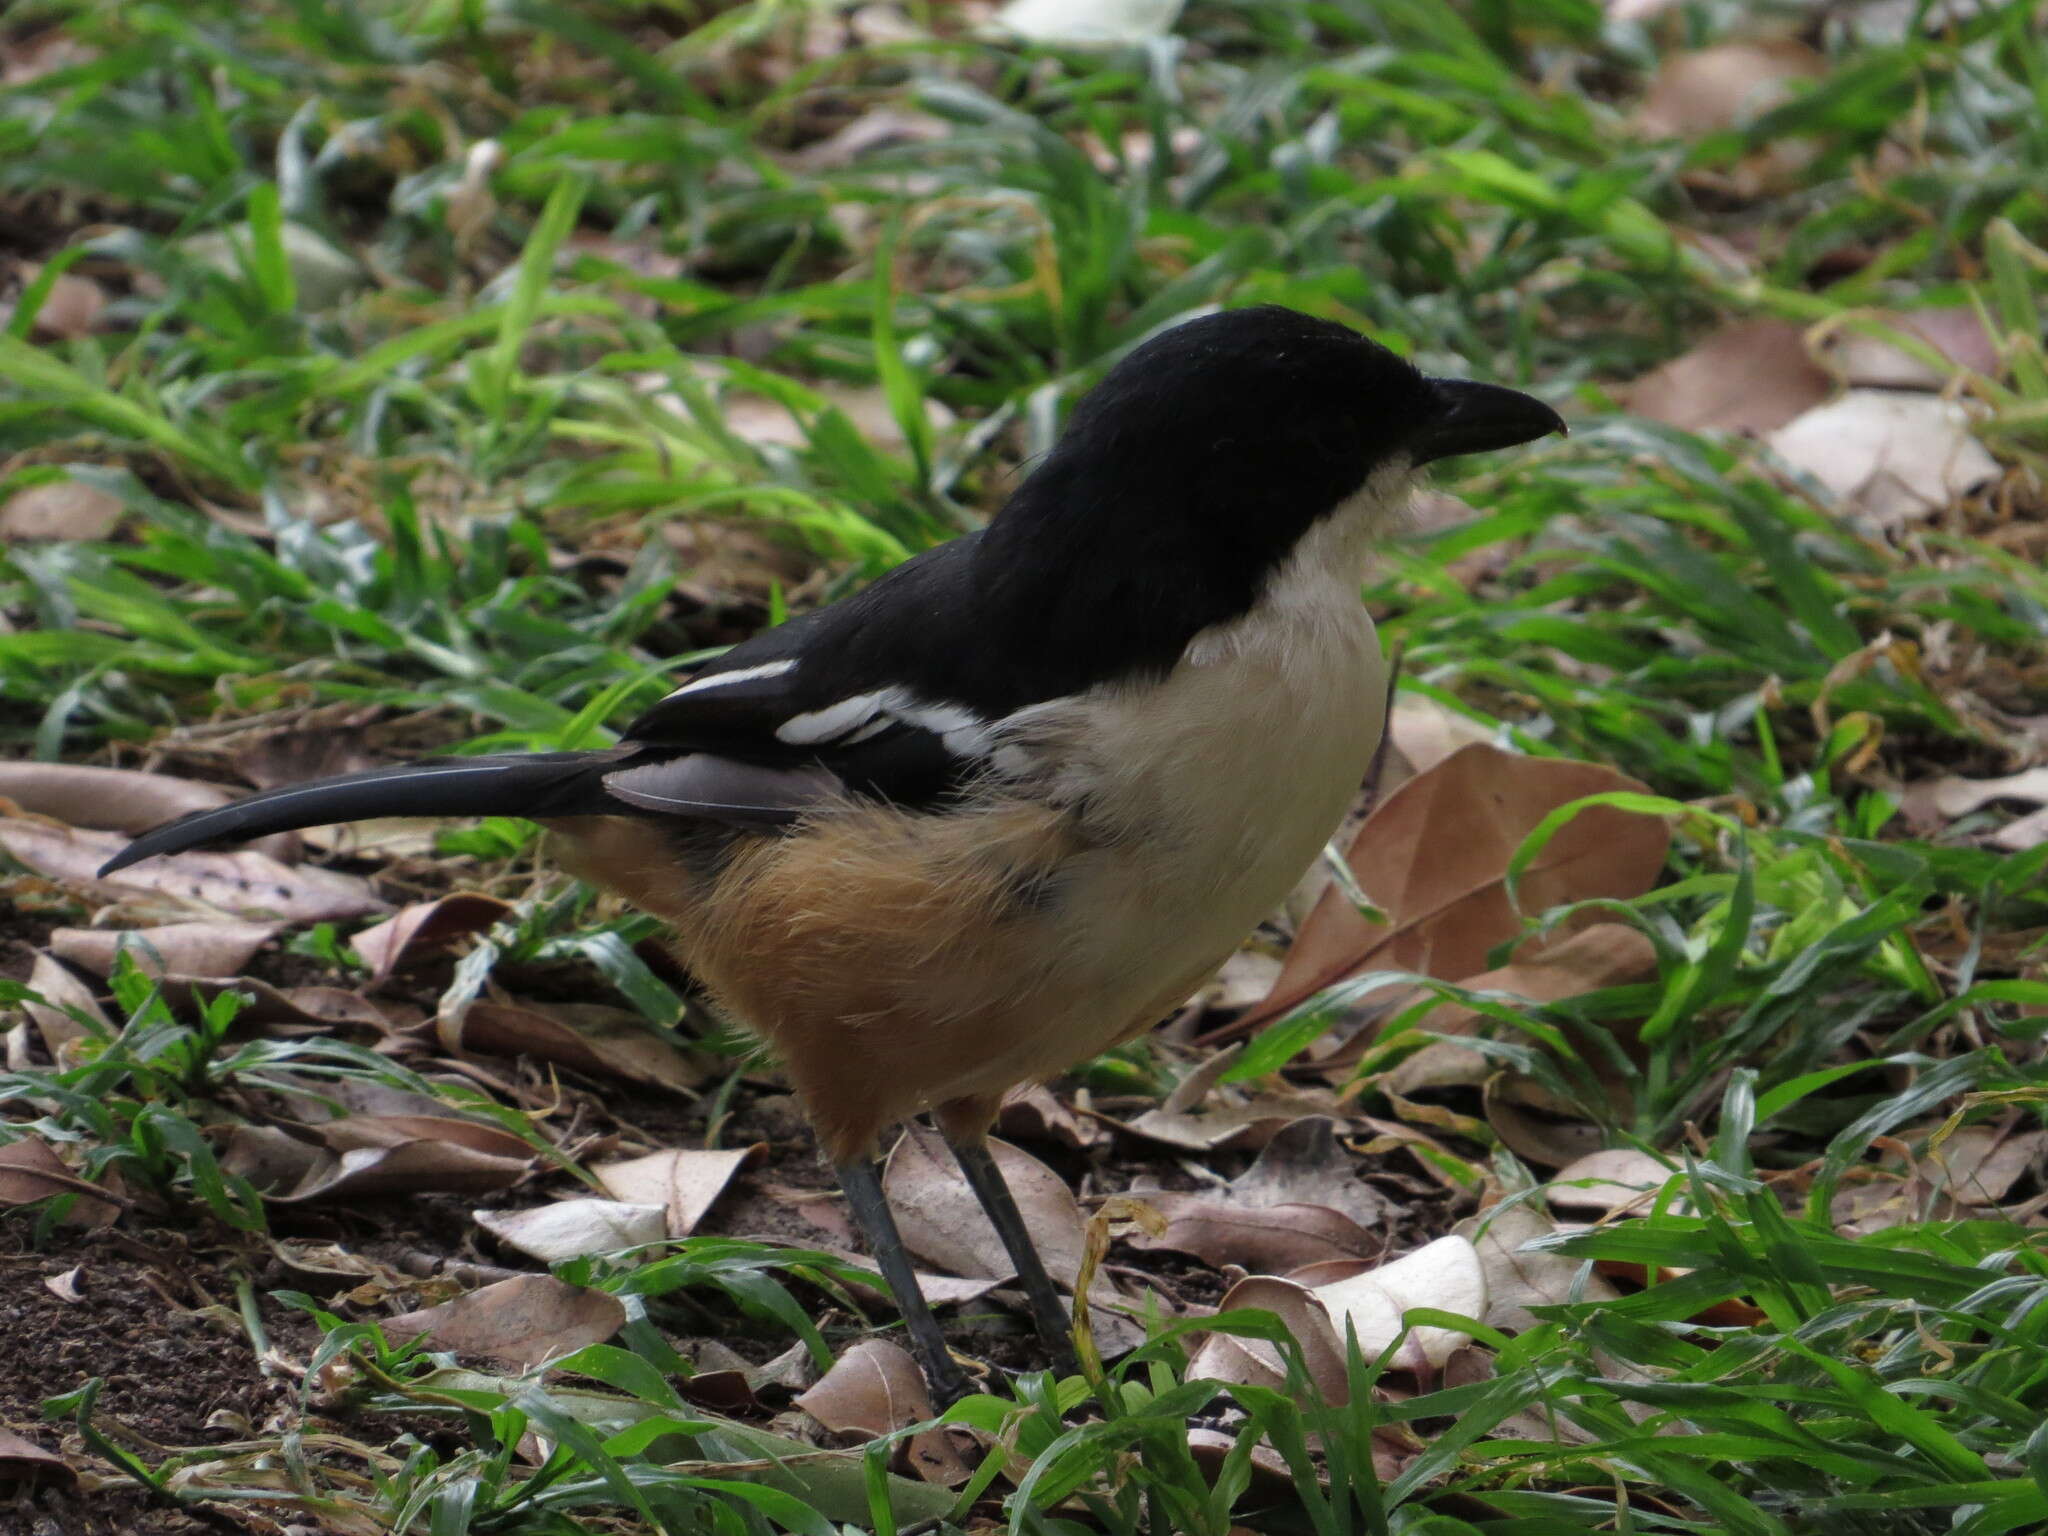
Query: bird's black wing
column 862, row 697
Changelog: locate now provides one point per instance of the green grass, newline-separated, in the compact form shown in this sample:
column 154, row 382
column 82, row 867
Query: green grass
column 425, row 466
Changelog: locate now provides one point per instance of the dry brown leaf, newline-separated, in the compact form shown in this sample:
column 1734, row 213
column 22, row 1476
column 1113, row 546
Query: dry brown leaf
column 525, row 1321
column 1979, row 1164
column 189, row 949
column 1434, row 858
column 60, row 510
column 1446, row 1274
column 876, row 1388
column 1604, row 955
column 881, row 128
column 1268, row 1240
column 244, row 883
column 590, row 1037
column 768, row 423
column 423, row 927
column 23, row 1461
column 943, row 1224
column 1860, row 356
column 573, row 1229
column 1931, row 802
column 1517, row 1281
column 1550, row 1140
column 264, row 1004
column 1306, row 1164
column 1710, row 89
column 290, row 1170
column 1036, row 1115
column 1886, row 455
column 1753, row 376
column 1228, row 1122
column 684, row 1182
column 1254, row 1362
column 108, row 799
column 63, row 991
column 937, row 1290
column 1615, row 1181
column 351, row 1132
column 31, row 1171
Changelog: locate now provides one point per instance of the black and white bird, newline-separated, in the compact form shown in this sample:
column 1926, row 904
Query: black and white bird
column 1016, row 800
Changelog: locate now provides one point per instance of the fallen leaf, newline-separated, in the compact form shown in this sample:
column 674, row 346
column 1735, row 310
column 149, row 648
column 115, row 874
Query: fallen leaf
column 291, row 1170
column 244, row 883
column 1036, row 1115
column 1445, row 1274
column 1857, row 351
column 350, row 1132
column 943, row 1224
column 1753, row 376
column 1306, row 1164
column 574, row 1229
column 526, row 1321
column 589, row 1037
column 1979, row 1164
column 769, row 423
column 264, row 1004
column 874, row 1389
column 1433, row 856
column 881, row 128
column 684, row 1182
column 1230, row 1123
column 937, row 1290
column 1710, row 89
column 1615, row 1181
column 322, row 275
column 1603, row 955
column 1517, row 1281
column 1552, row 1140
column 23, row 1461
column 66, row 510
column 64, row 995
column 31, row 1171
column 190, row 949
column 1268, row 1240
column 425, row 926
column 119, row 799
column 1888, row 456
column 1948, row 798
column 1254, row 1362
column 1091, row 25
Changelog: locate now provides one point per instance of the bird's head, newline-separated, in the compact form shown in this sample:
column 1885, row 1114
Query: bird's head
column 1209, row 456
column 1260, row 421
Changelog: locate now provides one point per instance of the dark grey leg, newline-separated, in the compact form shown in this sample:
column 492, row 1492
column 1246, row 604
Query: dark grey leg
column 1049, row 1314
column 870, row 1210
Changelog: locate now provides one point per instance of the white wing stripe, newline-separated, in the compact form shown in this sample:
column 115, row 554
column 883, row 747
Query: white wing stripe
column 737, row 675
column 963, row 733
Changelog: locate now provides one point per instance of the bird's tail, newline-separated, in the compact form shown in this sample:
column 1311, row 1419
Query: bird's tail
column 532, row 784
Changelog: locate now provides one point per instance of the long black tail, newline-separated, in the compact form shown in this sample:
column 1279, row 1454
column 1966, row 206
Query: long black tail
column 533, row 784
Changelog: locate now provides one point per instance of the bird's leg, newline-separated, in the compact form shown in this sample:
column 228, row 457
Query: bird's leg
column 871, row 1210
column 1049, row 1314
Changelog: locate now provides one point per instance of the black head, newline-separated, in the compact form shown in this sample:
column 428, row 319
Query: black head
column 1197, row 464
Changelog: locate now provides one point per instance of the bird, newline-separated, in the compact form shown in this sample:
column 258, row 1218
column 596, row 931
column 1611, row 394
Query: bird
column 1014, row 801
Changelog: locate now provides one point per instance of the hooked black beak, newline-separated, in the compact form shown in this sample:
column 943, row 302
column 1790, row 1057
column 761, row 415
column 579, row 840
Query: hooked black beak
column 1473, row 418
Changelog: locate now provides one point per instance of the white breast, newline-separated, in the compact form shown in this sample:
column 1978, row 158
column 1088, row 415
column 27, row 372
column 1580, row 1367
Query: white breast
column 1211, row 793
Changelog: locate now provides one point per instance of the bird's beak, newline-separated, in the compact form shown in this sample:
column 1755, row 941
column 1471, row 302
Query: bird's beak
column 1473, row 418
